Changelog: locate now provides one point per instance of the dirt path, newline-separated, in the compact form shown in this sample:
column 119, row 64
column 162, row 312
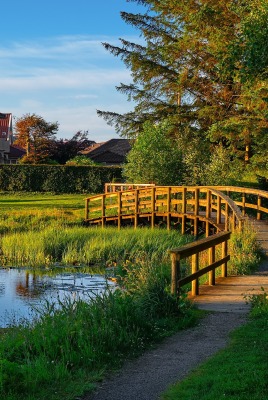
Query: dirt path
column 150, row 375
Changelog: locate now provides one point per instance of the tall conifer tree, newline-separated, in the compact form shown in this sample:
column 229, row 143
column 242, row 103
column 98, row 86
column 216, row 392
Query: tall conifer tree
column 191, row 67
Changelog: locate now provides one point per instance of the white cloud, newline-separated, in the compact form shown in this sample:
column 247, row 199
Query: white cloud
column 63, row 79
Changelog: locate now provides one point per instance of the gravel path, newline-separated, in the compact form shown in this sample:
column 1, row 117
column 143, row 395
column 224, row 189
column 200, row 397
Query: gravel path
column 150, row 375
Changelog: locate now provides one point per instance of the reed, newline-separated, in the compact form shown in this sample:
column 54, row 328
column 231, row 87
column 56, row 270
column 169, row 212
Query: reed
column 81, row 245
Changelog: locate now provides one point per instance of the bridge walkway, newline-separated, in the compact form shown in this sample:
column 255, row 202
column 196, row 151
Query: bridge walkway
column 230, row 294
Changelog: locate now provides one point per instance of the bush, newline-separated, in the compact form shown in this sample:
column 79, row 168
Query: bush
column 244, row 250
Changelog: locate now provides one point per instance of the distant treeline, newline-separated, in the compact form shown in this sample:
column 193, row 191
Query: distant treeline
column 57, row 179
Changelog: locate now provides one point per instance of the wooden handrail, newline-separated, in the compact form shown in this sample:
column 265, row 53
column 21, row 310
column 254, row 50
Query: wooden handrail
column 193, row 250
column 243, row 203
column 117, row 187
column 186, row 203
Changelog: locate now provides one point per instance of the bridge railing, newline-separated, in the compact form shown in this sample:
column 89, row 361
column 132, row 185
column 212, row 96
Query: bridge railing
column 195, row 203
column 117, row 187
column 193, row 250
column 247, row 199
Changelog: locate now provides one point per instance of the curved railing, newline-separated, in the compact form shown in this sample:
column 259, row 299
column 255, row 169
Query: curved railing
column 173, row 204
column 247, row 199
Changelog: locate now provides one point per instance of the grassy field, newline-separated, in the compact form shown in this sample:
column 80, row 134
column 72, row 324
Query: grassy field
column 40, row 201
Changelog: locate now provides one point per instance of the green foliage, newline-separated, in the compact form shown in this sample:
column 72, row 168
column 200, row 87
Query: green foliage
column 259, row 303
column 244, row 250
column 204, row 66
column 57, row 179
column 154, row 157
column 36, row 136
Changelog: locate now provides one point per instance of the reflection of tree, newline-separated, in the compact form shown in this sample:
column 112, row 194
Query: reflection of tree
column 28, row 287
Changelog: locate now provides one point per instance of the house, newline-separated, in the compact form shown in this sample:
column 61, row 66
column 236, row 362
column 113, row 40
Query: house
column 112, row 152
column 9, row 154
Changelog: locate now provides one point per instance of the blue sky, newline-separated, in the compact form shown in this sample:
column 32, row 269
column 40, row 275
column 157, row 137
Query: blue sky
column 52, row 62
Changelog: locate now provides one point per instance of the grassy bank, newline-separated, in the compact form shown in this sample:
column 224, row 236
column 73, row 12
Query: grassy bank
column 63, row 352
column 238, row 372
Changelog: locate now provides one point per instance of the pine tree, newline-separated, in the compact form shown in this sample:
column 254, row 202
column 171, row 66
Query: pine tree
column 191, row 68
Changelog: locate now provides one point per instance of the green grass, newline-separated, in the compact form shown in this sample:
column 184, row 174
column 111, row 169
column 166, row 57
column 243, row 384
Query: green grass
column 240, row 371
column 87, row 246
column 21, row 201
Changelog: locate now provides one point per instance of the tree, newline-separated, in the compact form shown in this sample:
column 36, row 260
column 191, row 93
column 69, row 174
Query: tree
column 36, row 136
column 65, row 149
column 191, row 67
column 154, row 158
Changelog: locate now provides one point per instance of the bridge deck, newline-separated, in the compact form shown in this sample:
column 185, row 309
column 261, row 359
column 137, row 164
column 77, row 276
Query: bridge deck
column 229, row 293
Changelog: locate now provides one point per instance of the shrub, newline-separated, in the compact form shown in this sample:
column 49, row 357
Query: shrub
column 56, row 178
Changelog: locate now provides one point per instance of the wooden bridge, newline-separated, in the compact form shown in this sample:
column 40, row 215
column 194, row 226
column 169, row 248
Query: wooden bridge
column 214, row 212
column 193, row 209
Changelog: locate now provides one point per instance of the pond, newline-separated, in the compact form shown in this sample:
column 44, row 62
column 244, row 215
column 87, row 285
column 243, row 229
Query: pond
column 24, row 290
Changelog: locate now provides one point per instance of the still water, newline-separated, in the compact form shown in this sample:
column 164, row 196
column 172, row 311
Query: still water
column 22, row 290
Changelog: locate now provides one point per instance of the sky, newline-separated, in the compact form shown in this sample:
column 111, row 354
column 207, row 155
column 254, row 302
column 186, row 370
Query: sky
column 52, row 62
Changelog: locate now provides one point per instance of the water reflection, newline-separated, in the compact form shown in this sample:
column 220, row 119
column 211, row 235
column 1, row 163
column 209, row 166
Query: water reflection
column 22, row 290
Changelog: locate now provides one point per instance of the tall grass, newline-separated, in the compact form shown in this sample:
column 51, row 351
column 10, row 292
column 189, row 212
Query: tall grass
column 81, row 245
column 245, row 251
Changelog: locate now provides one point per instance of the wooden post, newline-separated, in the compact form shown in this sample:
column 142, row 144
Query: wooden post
column 153, row 207
column 183, row 210
column 196, row 205
column 224, row 253
column 86, row 210
column 175, row 273
column 103, row 210
column 119, row 209
column 258, row 207
column 207, row 229
column 196, row 227
column 226, row 216
column 243, row 204
column 211, row 274
column 195, row 283
column 208, row 207
column 184, row 191
column 218, row 209
column 136, row 210
column 168, row 207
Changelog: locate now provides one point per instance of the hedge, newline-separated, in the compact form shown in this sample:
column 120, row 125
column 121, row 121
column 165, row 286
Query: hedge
column 57, row 179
